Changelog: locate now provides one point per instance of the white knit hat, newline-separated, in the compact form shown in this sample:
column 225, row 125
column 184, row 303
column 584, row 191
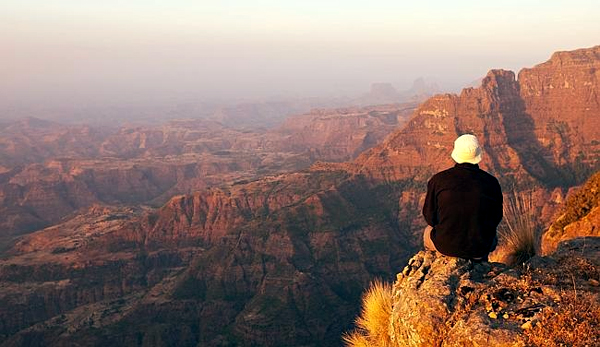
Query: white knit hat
column 466, row 149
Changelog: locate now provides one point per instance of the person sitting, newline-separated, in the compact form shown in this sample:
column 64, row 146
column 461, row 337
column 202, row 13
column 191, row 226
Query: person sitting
column 463, row 206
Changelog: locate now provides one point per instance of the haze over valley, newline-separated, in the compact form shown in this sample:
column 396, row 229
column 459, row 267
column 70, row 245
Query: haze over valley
column 239, row 173
column 139, row 57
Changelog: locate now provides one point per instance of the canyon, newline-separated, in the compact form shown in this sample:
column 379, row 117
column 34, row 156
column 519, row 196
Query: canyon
column 49, row 170
column 272, row 257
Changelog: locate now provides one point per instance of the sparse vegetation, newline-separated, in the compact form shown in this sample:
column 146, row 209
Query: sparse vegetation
column 569, row 314
column 373, row 322
column 519, row 231
column 574, row 318
column 573, row 322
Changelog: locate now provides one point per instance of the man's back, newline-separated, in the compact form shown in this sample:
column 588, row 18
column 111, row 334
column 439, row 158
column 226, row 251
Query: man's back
column 464, row 206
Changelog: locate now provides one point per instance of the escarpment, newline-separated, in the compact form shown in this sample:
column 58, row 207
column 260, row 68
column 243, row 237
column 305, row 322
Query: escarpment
column 343, row 134
column 49, row 170
column 287, row 264
column 543, row 126
column 264, row 258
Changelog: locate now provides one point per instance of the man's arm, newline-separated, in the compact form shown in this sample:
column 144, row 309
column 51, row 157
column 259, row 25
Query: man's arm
column 430, row 205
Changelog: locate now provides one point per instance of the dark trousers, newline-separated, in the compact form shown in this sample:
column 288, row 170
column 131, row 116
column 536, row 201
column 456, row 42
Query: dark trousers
column 430, row 246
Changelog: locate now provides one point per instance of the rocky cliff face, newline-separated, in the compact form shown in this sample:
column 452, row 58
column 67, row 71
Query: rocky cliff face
column 542, row 126
column 579, row 216
column 276, row 262
column 561, row 96
column 423, row 146
column 48, row 170
column 343, row 134
column 516, row 123
column 33, row 140
column 440, row 301
column 75, row 264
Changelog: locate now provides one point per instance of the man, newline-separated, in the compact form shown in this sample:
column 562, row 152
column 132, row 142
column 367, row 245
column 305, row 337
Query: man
column 463, row 206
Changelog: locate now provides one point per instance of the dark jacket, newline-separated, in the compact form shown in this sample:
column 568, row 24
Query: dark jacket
column 464, row 207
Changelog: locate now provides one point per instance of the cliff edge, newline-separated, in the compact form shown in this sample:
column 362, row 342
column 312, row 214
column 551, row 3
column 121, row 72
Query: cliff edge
column 447, row 302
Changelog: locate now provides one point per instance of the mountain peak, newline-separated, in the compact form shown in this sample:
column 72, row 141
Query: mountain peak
column 497, row 77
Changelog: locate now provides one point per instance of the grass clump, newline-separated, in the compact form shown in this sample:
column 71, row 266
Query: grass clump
column 373, row 323
column 519, row 231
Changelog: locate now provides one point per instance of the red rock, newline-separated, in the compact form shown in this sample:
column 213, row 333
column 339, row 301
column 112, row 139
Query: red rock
column 282, row 260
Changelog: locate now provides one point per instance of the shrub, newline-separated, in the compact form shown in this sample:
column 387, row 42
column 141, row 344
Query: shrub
column 519, row 231
column 373, row 322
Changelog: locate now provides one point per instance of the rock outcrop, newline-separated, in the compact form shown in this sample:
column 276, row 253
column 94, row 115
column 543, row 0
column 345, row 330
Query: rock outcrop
column 589, row 225
column 441, row 301
column 579, row 216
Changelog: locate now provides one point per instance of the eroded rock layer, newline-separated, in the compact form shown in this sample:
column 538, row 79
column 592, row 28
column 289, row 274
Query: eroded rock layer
column 282, row 260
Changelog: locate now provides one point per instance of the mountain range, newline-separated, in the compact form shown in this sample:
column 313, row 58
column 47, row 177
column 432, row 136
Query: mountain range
column 50, row 170
column 283, row 259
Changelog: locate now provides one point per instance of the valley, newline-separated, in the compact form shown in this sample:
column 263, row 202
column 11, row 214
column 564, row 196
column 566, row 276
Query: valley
column 219, row 237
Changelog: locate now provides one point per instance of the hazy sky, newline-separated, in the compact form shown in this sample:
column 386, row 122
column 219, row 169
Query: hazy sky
column 79, row 51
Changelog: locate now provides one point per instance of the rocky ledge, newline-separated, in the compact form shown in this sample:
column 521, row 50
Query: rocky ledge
column 442, row 301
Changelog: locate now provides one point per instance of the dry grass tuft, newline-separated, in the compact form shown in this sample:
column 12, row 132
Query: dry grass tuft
column 355, row 339
column 573, row 322
column 373, row 323
column 519, row 231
